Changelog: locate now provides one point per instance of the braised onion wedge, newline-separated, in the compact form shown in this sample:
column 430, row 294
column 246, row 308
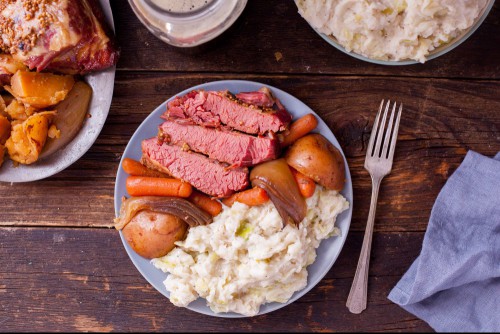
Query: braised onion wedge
column 179, row 207
column 277, row 180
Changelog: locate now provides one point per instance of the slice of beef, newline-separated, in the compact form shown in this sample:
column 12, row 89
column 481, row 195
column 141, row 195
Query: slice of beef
column 210, row 176
column 261, row 98
column 214, row 109
column 233, row 147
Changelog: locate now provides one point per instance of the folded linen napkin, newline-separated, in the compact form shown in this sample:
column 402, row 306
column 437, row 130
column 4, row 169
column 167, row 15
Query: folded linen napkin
column 454, row 284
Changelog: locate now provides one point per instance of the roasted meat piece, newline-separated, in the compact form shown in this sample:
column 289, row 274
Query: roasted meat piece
column 233, row 147
column 212, row 177
column 213, row 109
column 66, row 36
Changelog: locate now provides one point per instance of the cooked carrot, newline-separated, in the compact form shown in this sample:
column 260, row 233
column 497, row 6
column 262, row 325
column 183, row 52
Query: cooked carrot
column 204, row 202
column 299, row 128
column 135, row 168
column 252, row 197
column 157, row 186
column 307, row 186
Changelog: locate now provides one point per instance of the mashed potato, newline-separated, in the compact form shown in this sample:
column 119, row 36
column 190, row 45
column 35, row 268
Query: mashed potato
column 391, row 29
column 245, row 258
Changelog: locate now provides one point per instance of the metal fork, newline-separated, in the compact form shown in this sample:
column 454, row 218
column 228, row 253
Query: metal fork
column 378, row 163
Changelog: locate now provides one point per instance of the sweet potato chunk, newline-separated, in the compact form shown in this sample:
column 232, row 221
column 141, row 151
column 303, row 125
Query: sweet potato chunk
column 2, row 153
column 4, row 129
column 40, row 90
column 28, row 138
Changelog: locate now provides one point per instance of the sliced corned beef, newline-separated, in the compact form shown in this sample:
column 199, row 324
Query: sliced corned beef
column 214, row 109
column 233, row 147
column 210, row 176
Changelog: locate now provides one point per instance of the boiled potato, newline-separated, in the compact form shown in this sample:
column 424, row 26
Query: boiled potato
column 152, row 234
column 70, row 116
column 40, row 90
column 314, row 156
column 28, row 138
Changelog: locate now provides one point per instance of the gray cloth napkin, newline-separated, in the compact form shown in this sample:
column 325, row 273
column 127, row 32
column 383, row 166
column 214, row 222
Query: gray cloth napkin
column 454, row 284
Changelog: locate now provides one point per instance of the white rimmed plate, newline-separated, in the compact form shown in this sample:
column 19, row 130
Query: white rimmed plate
column 327, row 252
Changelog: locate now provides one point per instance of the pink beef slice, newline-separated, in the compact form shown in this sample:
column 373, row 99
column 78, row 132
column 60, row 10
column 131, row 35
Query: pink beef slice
column 214, row 109
column 210, row 176
column 233, row 147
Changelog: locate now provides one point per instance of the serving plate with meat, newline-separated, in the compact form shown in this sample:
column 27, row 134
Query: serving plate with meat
column 224, row 169
column 65, row 37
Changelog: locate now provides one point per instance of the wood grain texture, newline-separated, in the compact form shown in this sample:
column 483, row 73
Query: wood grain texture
column 435, row 134
column 60, row 279
column 60, row 273
column 267, row 27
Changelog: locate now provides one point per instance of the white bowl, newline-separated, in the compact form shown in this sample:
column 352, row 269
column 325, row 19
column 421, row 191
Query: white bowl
column 433, row 54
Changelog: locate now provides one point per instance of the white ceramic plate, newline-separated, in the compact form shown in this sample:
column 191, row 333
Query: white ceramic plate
column 327, row 252
column 102, row 84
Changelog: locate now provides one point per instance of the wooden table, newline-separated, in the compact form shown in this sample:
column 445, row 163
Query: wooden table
column 64, row 268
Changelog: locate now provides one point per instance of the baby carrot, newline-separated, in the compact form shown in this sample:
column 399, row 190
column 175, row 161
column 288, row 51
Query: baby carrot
column 307, row 186
column 204, row 202
column 299, row 128
column 157, row 186
column 252, row 197
column 135, row 168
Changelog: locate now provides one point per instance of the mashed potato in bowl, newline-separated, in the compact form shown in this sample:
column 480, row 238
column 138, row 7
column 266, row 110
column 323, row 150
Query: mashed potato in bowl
column 246, row 258
column 392, row 30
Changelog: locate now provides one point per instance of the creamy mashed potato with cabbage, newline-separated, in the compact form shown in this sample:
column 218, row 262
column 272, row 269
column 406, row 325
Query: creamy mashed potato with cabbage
column 391, row 29
column 245, row 258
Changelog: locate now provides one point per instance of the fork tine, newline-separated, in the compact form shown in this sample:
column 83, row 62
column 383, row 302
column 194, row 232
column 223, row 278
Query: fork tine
column 387, row 136
column 370, row 148
column 395, row 134
column 380, row 132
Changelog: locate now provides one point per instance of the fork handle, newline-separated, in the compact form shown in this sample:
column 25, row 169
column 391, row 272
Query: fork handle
column 356, row 302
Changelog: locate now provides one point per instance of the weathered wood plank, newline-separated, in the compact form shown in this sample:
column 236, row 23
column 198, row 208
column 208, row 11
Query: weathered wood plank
column 268, row 27
column 442, row 120
column 434, row 136
column 59, row 279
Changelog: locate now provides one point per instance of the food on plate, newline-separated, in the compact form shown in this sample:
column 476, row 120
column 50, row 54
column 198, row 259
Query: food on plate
column 71, row 113
column 246, row 258
column 9, row 66
column 64, row 36
column 251, row 197
column 135, row 168
column 216, row 108
column 40, row 90
column 306, row 184
column 27, row 139
column 204, row 202
column 391, row 29
column 225, row 145
column 298, row 129
column 210, row 176
column 153, row 234
column 157, row 186
column 179, row 207
column 4, row 129
column 276, row 178
column 268, row 218
column 317, row 158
